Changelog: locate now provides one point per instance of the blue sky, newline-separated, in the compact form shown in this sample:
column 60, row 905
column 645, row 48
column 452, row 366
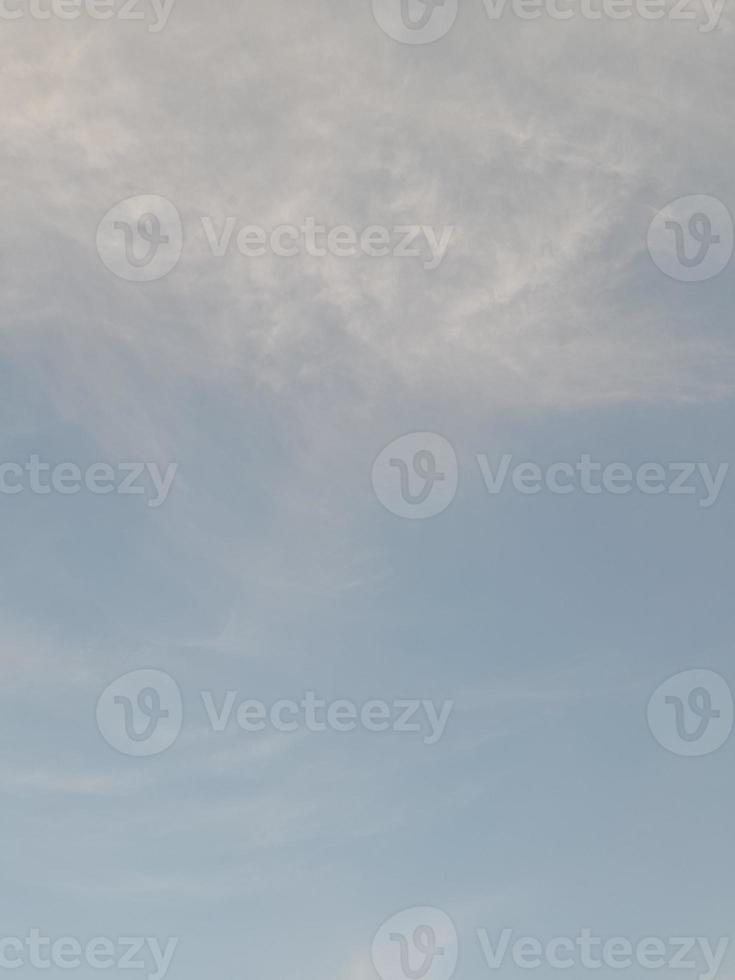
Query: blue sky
column 272, row 569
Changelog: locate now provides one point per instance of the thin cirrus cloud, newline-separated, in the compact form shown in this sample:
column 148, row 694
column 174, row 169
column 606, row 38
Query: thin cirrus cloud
column 549, row 179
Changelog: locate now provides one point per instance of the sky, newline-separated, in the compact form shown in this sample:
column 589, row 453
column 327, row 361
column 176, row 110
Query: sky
column 315, row 506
